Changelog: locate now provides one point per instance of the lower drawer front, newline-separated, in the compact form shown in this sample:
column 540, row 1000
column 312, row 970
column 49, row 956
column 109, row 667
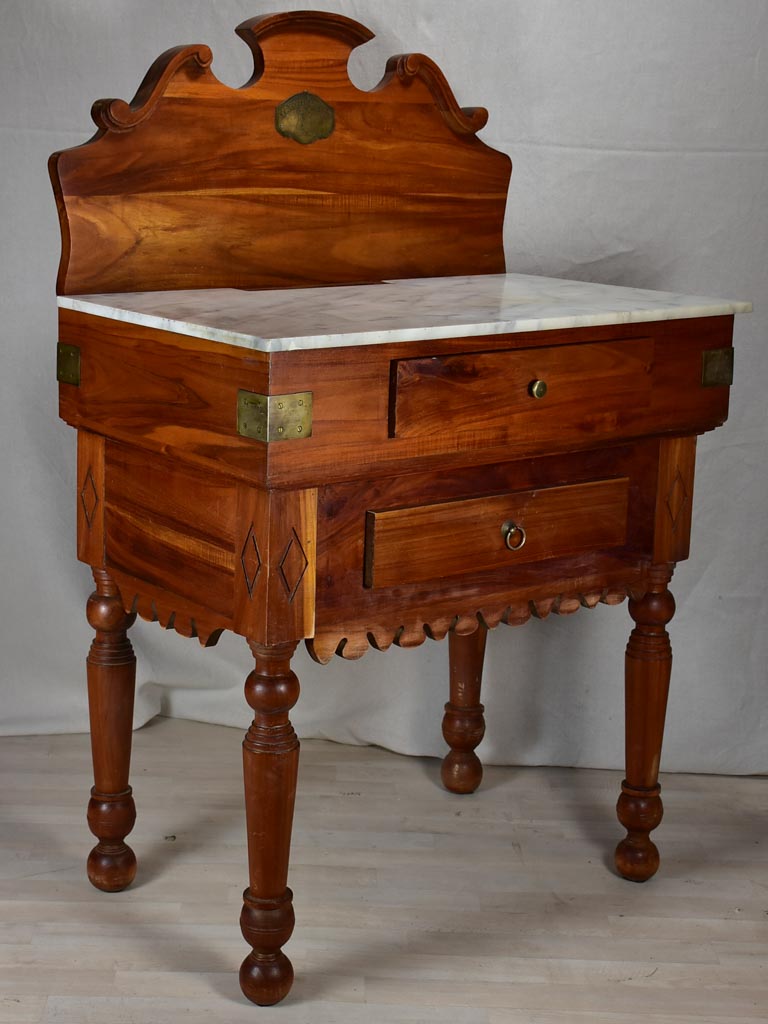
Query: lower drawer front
column 474, row 535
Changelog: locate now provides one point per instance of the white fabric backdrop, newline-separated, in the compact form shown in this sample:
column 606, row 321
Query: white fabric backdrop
column 638, row 133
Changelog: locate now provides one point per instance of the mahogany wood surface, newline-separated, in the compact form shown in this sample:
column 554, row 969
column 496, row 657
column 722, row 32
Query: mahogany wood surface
column 463, row 721
column 513, row 590
column 192, row 186
column 111, row 685
column 141, row 386
column 275, row 589
column 458, row 390
column 91, row 497
column 674, row 499
column 430, row 541
column 151, row 534
column 385, row 525
column 648, row 667
column 270, row 767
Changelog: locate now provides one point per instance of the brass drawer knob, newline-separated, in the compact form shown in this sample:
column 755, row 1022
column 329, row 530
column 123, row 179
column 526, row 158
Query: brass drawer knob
column 537, row 388
column 514, row 535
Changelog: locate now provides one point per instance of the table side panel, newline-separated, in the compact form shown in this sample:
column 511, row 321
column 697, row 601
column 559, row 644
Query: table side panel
column 350, row 612
column 178, row 537
column 90, row 498
column 647, row 391
column 163, row 391
column 674, row 500
column 176, row 394
column 171, row 525
column 197, row 550
column 275, row 581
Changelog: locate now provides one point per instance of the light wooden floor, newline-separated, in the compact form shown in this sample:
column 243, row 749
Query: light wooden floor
column 411, row 904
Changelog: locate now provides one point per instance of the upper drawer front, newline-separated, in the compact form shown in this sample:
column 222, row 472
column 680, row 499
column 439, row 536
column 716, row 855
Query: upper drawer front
column 466, row 537
column 591, row 389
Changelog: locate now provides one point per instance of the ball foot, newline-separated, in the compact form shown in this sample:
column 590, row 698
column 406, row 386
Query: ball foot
column 461, row 771
column 637, row 858
column 640, row 812
column 111, row 868
column 265, row 980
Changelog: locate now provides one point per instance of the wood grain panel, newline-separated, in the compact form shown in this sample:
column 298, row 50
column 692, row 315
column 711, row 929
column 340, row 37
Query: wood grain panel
column 155, row 603
column 595, row 388
column 90, row 497
column 169, row 559
column 358, row 616
column 351, row 390
column 172, row 525
column 464, row 538
column 163, row 391
column 674, row 499
column 170, row 393
column 174, row 496
column 192, row 186
column 276, row 550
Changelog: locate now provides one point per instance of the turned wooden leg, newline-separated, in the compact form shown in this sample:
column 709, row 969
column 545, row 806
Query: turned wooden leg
column 463, row 722
column 270, row 768
column 647, row 666
column 111, row 684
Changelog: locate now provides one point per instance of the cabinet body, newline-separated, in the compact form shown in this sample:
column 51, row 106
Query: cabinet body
column 387, row 518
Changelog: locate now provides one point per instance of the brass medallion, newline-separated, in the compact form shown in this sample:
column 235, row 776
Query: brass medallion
column 305, row 118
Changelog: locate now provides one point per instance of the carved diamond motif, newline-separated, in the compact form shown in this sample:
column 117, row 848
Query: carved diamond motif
column 677, row 499
column 293, row 565
column 250, row 559
column 89, row 498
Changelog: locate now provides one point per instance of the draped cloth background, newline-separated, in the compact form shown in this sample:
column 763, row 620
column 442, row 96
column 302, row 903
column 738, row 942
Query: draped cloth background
column 639, row 135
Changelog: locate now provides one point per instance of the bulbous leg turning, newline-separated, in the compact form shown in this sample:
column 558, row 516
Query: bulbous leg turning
column 111, row 863
column 640, row 812
column 111, row 668
column 647, row 670
column 463, row 721
column 270, row 769
column 266, row 974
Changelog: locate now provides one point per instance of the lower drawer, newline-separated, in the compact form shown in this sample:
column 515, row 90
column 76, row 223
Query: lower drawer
column 457, row 538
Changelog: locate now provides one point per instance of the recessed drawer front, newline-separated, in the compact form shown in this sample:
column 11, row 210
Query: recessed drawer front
column 542, row 393
column 461, row 538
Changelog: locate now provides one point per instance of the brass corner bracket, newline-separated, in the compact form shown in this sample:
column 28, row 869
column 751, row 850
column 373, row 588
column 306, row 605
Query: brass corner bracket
column 274, row 417
column 68, row 364
column 717, row 367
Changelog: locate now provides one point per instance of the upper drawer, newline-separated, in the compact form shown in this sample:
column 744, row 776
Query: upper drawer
column 590, row 389
column 474, row 535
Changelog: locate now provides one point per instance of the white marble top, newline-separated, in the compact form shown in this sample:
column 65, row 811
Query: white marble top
column 393, row 311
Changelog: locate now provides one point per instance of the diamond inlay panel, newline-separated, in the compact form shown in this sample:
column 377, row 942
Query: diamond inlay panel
column 250, row 559
column 89, row 498
column 293, row 565
column 677, row 499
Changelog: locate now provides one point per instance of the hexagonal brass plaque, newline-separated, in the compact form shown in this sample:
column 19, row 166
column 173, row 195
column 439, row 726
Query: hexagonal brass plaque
column 305, row 118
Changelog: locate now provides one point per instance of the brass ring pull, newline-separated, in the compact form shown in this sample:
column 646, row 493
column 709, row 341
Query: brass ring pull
column 514, row 535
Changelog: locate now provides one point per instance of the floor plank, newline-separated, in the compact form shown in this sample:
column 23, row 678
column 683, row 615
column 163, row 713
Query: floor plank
column 412, row 905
